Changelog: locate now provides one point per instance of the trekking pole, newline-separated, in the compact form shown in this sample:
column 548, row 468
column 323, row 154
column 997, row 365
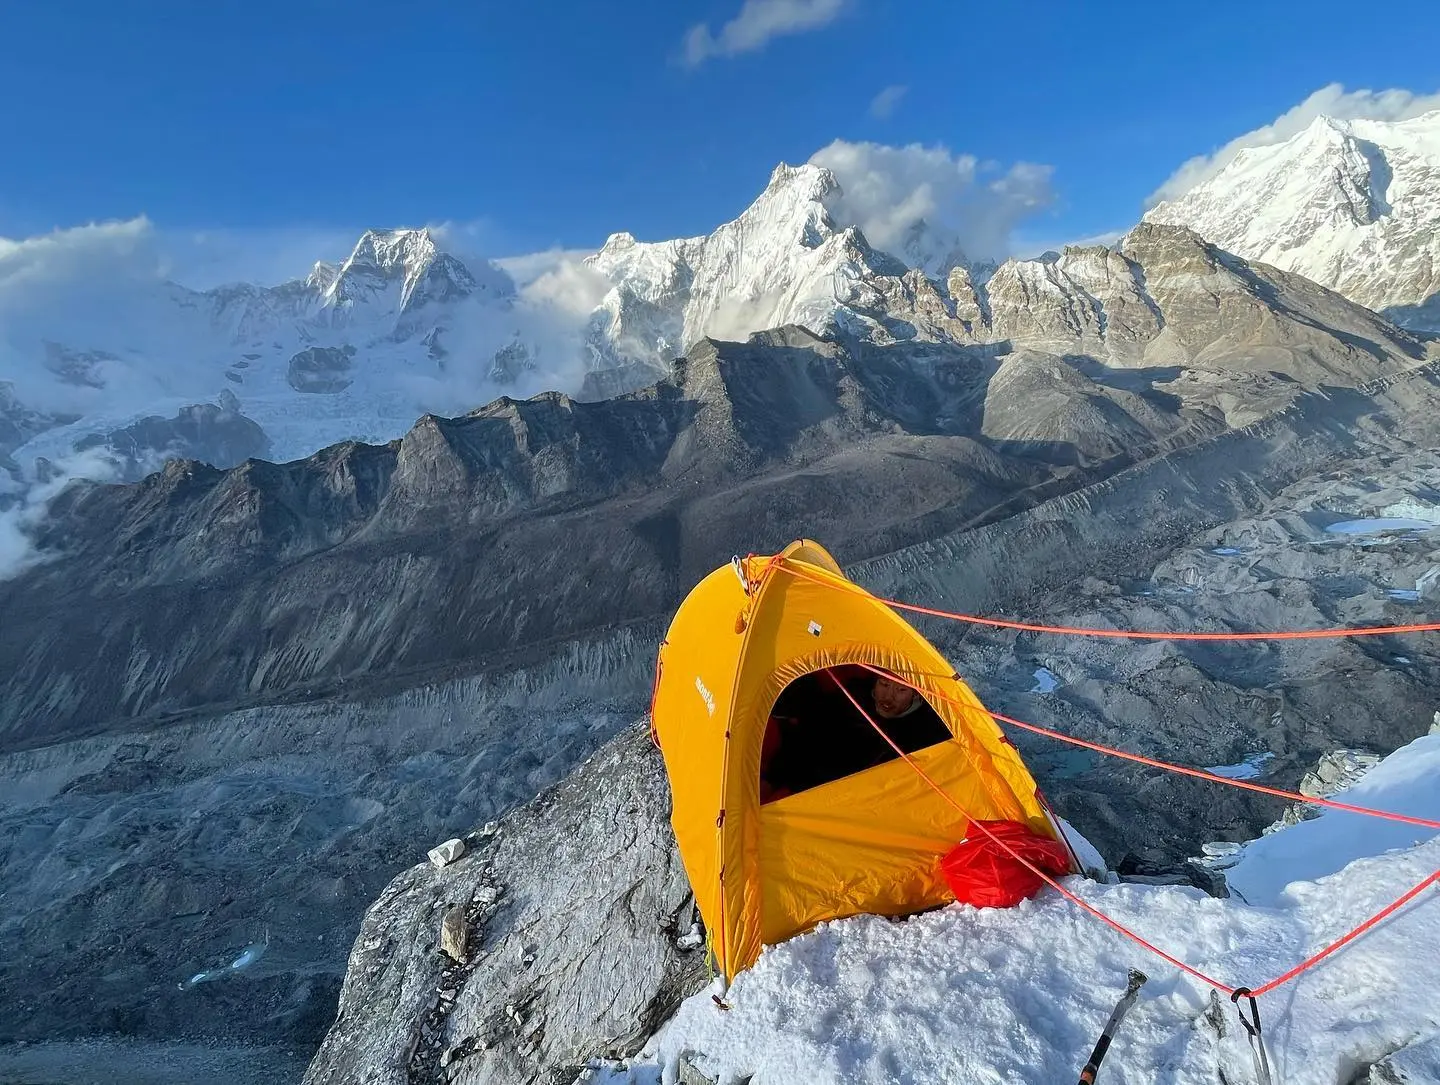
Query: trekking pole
column 1132, row 991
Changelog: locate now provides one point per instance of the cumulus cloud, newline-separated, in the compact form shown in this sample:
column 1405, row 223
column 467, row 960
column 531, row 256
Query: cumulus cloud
column 758, row 22
column 884, row 103
column 1329, row 101
column 888, row 190
column 541, row 332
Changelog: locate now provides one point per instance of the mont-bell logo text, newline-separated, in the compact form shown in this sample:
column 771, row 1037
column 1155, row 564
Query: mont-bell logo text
column 705, row 695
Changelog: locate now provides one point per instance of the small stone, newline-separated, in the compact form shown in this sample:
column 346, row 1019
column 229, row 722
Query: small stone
column 448, row 852
column 455, row 934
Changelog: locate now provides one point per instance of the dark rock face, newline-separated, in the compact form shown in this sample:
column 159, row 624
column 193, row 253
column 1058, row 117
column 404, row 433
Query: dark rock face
column 568, row 959
column 321, row 369
column 216, row 435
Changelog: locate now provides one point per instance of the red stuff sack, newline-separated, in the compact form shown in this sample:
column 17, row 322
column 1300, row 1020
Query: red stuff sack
column 981, row 872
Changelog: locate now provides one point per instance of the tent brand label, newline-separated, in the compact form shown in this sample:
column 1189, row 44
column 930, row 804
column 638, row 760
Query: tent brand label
column 705, row 695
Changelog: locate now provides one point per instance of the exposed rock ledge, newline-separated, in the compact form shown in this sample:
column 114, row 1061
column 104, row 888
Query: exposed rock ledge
column 574, row 909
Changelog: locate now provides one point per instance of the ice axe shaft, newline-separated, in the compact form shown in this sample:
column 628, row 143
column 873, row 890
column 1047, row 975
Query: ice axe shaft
column 1132, row 991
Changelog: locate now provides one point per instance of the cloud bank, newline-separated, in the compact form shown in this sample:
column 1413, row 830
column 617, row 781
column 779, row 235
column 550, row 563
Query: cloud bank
column 23, row 501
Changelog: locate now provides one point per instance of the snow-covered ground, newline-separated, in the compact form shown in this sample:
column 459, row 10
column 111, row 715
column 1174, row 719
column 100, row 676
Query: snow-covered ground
column 1020, row 995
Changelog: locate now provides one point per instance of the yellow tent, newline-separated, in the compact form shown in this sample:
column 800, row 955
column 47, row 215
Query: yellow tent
column 868, row 842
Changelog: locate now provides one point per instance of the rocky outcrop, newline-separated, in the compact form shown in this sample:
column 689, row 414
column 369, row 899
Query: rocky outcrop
column 1417, row 1063
column 321, row 370
column 78, row 368
column 18, row 423
column 218, row 435
column 571, row 958
column 1167, row 297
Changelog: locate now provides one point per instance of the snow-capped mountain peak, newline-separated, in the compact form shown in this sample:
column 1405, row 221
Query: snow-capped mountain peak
column 784, row 260
column 322, row 276
column 1353, row 205
column 408, row 259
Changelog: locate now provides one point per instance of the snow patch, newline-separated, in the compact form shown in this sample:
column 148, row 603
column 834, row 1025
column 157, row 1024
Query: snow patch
column 1020, row 994
column 1379, row 525
column 1046, row 681
column 247, row 957
column 1280, row 865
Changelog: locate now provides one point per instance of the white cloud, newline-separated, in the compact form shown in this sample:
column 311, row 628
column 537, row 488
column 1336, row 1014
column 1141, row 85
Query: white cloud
column 549, row 317
column 758, row 22
column 888, row 190
column 96, row 282
column 125, row 248
column 884, row 103
column 23, row 504
column 1329, row 101
column 526, row 269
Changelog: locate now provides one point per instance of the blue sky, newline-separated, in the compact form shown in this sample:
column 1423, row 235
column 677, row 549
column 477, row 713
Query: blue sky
column 552, row 124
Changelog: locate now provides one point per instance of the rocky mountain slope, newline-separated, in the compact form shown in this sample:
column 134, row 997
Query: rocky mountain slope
column 148, row 856
column 1277, row 545
column 1352, row 205
column 364, row 564
column 234, row 700
column 234, row 703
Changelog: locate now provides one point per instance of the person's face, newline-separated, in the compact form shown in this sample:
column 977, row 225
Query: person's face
column 892, row 698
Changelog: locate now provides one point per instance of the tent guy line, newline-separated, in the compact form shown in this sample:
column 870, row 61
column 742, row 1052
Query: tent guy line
column 1132, row 634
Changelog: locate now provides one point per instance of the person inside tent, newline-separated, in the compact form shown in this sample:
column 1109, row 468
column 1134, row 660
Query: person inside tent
column 816, row 735
column 905, row 716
